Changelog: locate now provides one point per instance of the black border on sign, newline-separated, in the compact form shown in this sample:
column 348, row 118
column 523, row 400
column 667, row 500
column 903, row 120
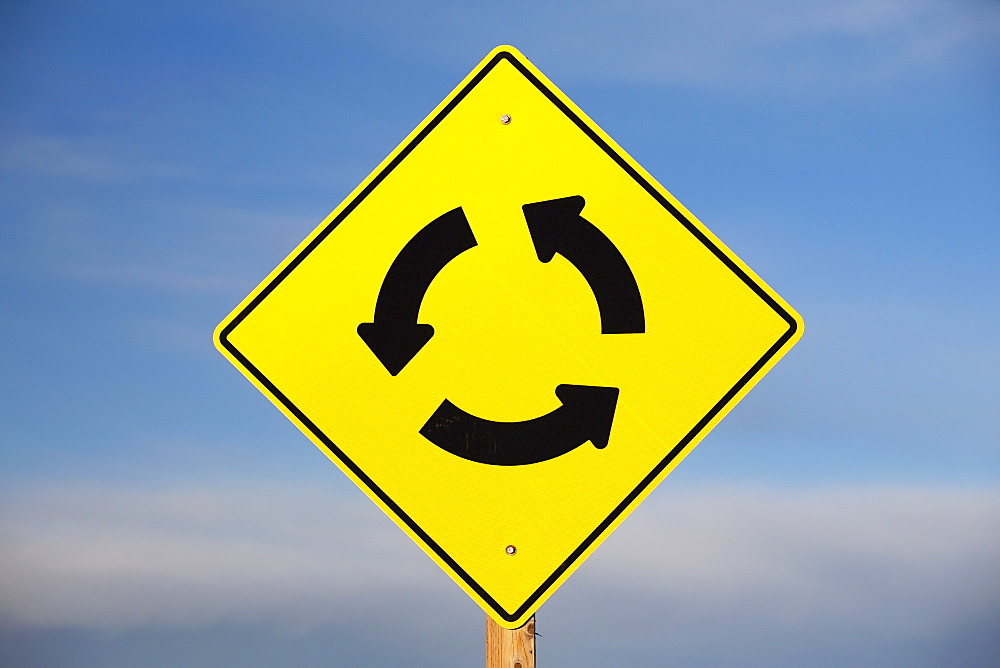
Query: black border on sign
column 650, row 477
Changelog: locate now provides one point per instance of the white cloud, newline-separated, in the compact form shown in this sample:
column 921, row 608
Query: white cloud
column 903, row 557
column 123, row 558
column 829, row 577
column 726, row 44
column 891, row 565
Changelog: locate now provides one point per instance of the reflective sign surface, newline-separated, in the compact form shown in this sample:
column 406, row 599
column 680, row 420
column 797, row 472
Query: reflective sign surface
column 507, row 335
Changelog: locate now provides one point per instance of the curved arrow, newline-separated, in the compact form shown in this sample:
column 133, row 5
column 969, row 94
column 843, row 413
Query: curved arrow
column 556, row 226
column 587, row 414
column 395, row 336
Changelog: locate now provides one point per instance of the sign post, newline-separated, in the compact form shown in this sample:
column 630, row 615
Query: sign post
column 507, row 335
column 510, row 648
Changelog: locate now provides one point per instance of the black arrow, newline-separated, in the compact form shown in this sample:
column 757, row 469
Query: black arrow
column 395, row 337
column 586, row 415
column 556, row 226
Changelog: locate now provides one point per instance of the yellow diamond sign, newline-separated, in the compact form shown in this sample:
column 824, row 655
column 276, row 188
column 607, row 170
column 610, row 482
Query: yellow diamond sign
column 508, row 335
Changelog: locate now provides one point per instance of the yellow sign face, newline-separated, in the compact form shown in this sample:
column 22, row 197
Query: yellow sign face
column 508, row 335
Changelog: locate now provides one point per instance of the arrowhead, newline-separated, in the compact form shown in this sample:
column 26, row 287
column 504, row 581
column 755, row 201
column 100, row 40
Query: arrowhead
column 395, row 345
column 548, row 223
column 594, row 408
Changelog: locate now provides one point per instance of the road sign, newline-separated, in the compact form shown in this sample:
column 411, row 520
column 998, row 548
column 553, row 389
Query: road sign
column 508, row 335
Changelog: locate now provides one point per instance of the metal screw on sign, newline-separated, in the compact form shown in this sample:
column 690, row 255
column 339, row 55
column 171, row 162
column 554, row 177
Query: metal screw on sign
column 511, row 550
column 505, row 119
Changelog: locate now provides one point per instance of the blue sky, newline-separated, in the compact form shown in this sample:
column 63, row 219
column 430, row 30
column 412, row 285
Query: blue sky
column 156, row 161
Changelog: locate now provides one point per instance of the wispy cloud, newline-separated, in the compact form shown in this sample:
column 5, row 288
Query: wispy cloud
column 725, row 45
column 176, row 249
column 83, row 158
column 115, row 559
column 893, row 564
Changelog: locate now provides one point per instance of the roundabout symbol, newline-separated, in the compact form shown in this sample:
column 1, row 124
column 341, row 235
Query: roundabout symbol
column 587, row 412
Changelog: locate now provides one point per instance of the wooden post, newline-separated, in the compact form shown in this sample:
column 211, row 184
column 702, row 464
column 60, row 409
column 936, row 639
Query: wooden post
column 510, row 649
